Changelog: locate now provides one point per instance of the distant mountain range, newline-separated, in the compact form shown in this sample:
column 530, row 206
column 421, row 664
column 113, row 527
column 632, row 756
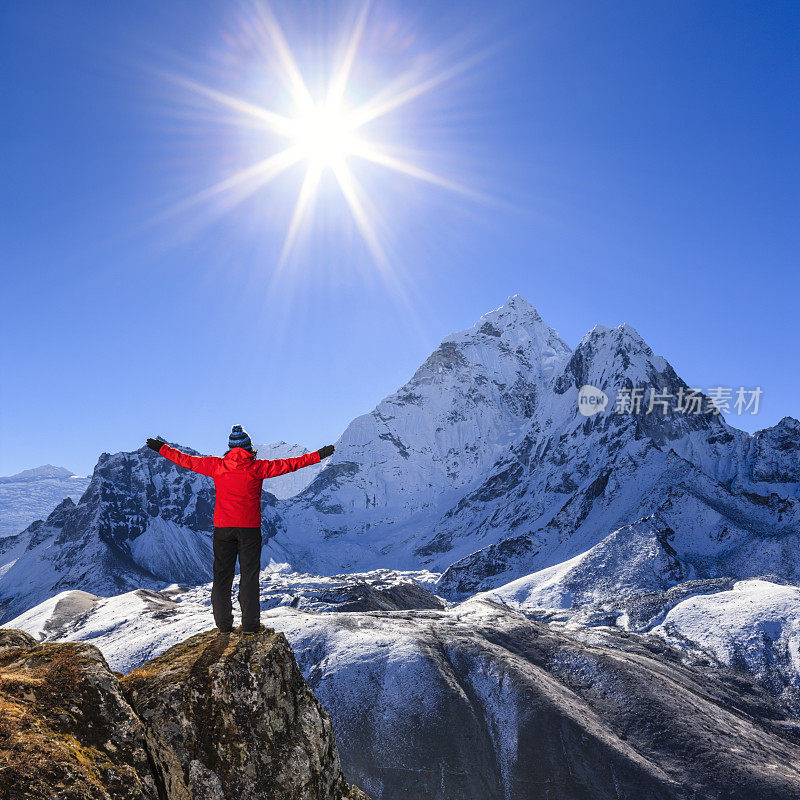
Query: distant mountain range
column 34, row 493
column 291, row 483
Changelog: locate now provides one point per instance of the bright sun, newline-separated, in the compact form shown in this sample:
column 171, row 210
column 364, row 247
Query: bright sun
column 325, row 136
column 323, row 133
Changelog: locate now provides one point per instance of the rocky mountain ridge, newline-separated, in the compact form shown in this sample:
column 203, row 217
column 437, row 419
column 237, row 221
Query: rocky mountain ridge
column 140, row 522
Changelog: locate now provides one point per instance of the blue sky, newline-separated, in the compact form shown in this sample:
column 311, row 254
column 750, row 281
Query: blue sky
column 639, row 159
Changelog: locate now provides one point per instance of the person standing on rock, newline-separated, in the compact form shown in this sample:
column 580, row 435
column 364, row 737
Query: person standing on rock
column 238, row 478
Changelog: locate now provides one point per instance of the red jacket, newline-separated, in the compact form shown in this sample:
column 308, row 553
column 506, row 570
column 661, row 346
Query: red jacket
column 238, row 478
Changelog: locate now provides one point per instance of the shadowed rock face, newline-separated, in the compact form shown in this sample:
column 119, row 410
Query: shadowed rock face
column 213, row 718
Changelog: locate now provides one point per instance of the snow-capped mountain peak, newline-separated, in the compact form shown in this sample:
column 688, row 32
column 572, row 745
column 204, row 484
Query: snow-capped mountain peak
column 610, row 358
column 520, row 328
column 465, row 406
column 515, row 312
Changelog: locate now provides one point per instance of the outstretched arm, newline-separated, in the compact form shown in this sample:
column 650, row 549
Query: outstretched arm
column 280, row 466
column 202, row 464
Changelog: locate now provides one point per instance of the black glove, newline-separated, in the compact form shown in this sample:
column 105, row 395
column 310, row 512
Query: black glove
column 326, row 451
column 155, row 444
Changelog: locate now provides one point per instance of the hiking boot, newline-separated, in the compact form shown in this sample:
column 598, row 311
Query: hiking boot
column 253, row 631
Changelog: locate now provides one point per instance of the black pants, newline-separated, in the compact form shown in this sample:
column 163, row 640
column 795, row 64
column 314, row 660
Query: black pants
column 228, row 543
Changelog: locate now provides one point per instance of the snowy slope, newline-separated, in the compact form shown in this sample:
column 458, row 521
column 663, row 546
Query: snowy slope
column 754, row 626
column 715, row 531
column 632, row 566
column 34, row 493
column 127, row 627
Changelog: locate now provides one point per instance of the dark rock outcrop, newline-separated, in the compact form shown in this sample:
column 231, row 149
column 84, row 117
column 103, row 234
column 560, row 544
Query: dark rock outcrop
column 400, row 597
column 216, row 717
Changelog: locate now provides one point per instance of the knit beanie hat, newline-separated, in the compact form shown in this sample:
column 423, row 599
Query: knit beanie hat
column 239, row 438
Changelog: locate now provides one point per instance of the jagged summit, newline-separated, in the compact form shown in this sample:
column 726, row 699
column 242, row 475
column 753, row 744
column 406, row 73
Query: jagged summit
column 620, row 333
column 788, row 424
column 609, row 358
column 602, row 340
column 516, row 304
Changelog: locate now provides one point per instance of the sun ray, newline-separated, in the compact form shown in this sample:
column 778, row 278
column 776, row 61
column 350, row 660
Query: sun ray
column 307, row 194
column 246, row 181
column 339, row 82
column 377, row 156
column 274, row 121
column 300, row 91
column 387, row 100
column 350, row 190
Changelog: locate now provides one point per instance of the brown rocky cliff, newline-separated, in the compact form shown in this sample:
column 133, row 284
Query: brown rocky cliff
column 66, row 731
column 214, row 718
